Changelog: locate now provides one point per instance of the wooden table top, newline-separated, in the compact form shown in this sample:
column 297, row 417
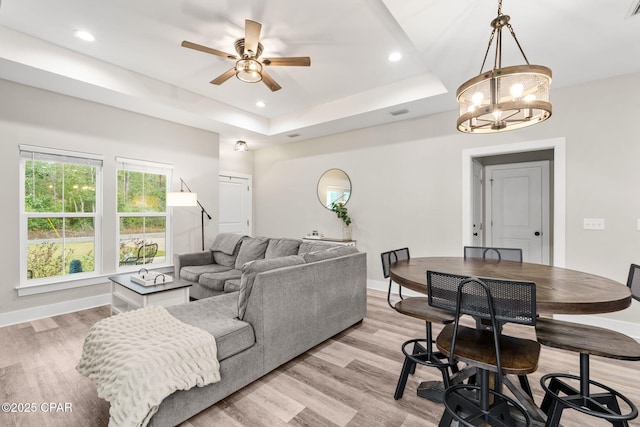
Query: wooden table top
column 558, row 290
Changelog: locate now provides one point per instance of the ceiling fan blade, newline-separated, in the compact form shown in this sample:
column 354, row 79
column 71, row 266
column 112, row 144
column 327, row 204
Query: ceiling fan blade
column 207, row 50
column 224, row 77
column 271, row 84
column 251, row 36
column 296, row 61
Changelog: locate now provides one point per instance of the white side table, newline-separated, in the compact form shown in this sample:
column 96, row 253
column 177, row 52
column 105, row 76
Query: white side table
column 127, row 295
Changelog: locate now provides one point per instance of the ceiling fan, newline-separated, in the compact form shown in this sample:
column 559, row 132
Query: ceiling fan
column 249, row 68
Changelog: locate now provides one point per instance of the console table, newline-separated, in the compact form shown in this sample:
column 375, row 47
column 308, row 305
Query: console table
column 127, row 295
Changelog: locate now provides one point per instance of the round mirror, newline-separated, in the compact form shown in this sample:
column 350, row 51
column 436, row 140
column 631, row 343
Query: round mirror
column 334, row 186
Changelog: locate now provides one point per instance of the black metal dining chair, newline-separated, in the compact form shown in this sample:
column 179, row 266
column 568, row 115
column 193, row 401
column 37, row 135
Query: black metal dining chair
column 633, row 281
column 487, row 349
column 388, row 258
column 418, row 350
column 485, row 252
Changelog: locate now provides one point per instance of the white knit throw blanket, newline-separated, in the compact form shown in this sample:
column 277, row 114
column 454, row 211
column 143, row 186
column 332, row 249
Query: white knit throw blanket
column 140, row 357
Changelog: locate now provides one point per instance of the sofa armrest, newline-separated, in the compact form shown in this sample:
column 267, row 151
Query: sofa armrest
column 194, row 258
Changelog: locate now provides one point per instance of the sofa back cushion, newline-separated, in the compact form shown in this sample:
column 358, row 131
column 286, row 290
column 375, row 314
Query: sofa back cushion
column 306, row 247
column 225, row 248
column 251, row 269
column 331, row 252
column 251, row 249
column 282, row 247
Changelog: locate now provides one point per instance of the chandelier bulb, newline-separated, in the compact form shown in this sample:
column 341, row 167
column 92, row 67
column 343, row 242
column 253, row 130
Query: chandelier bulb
column 516, row 90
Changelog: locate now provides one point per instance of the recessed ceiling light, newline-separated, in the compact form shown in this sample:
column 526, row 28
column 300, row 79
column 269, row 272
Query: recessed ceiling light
column 84, row 35
column 260, row 104
column 395, row 56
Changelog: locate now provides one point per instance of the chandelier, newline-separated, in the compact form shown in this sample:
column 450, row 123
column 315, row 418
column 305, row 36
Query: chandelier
column 504, row 98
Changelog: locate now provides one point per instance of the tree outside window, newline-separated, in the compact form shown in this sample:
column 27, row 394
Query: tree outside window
column 60, row 213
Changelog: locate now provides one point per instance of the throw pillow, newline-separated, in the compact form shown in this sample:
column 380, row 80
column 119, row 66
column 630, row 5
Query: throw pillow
column 250, row 250
column 282, row 247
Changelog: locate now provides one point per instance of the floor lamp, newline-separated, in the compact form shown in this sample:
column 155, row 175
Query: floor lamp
column 183, row 198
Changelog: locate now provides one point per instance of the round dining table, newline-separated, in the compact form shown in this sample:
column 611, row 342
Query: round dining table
column 558, row 290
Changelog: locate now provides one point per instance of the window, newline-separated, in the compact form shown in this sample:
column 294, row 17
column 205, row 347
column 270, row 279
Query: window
column 60, row 214
column 143, row 222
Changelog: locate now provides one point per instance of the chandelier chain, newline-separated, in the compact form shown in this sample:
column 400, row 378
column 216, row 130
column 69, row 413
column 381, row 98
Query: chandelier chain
column 486, row 54
column 513, row 33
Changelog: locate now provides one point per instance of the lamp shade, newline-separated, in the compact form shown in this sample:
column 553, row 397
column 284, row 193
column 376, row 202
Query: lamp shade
column 181, row 198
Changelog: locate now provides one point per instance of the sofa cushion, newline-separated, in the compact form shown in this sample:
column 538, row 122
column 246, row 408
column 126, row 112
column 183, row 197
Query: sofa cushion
column 251, row 269
column 282, row 247
column 216, row 281
column 332, row 252
column 251, row 249
column 193, row 272
column 306, row 247
column 232, row 285
column 217, row 315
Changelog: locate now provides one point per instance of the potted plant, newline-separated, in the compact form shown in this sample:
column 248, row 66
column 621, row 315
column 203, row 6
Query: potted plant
column 341, row 212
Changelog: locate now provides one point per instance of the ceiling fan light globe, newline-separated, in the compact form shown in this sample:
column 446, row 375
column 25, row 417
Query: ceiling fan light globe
column 249, row 70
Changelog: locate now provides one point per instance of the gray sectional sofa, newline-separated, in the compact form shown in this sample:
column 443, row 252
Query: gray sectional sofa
column 263, row 311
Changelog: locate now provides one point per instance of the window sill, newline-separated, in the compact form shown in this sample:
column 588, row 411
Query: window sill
column 61, row 285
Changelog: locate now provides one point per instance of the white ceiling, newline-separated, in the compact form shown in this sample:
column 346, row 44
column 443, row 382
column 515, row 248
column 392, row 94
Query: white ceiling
column 137, row 63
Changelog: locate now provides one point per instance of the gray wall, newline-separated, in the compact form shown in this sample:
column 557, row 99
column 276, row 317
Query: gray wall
column 41, row 118
column 407, row 181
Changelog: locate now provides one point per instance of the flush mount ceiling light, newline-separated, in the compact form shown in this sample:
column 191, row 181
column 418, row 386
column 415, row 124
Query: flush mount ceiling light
column 241, row 146
column 504, row 98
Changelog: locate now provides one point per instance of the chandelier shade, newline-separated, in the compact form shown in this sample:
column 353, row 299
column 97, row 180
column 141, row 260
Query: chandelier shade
column 504, row 98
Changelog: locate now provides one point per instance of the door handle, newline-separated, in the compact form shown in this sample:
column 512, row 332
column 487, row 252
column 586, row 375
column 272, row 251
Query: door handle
column 537, row 233
column 475, row 234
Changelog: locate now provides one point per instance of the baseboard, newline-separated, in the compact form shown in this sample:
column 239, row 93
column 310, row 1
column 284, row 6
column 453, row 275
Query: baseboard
column 380, row 285
column 35, row 313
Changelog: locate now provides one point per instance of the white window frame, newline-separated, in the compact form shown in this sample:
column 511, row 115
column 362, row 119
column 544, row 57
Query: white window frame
column 150, row 167
column 28, row 152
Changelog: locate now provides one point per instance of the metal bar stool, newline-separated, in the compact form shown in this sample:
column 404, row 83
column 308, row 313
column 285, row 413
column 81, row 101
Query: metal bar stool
column 581, row 393
column 498, row 302
column 419, row 350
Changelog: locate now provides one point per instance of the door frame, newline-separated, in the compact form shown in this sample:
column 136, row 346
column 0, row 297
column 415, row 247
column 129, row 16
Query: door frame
column 558, row 145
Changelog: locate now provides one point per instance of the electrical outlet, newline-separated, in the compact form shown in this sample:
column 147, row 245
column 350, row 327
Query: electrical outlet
column 593, row 224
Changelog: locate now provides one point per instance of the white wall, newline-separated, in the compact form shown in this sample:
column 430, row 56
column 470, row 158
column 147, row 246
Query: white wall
column 236, row 161
column 406, row 179
column 36, row 117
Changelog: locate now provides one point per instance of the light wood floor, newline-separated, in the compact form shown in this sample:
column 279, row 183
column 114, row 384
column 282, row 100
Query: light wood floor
column 347, row 381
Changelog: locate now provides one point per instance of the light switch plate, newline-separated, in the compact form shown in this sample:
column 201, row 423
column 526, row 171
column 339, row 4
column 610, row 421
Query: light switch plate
column 593, row 224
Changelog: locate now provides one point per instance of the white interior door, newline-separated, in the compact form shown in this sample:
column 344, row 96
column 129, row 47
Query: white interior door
column 518, row 208
column 235, row 204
